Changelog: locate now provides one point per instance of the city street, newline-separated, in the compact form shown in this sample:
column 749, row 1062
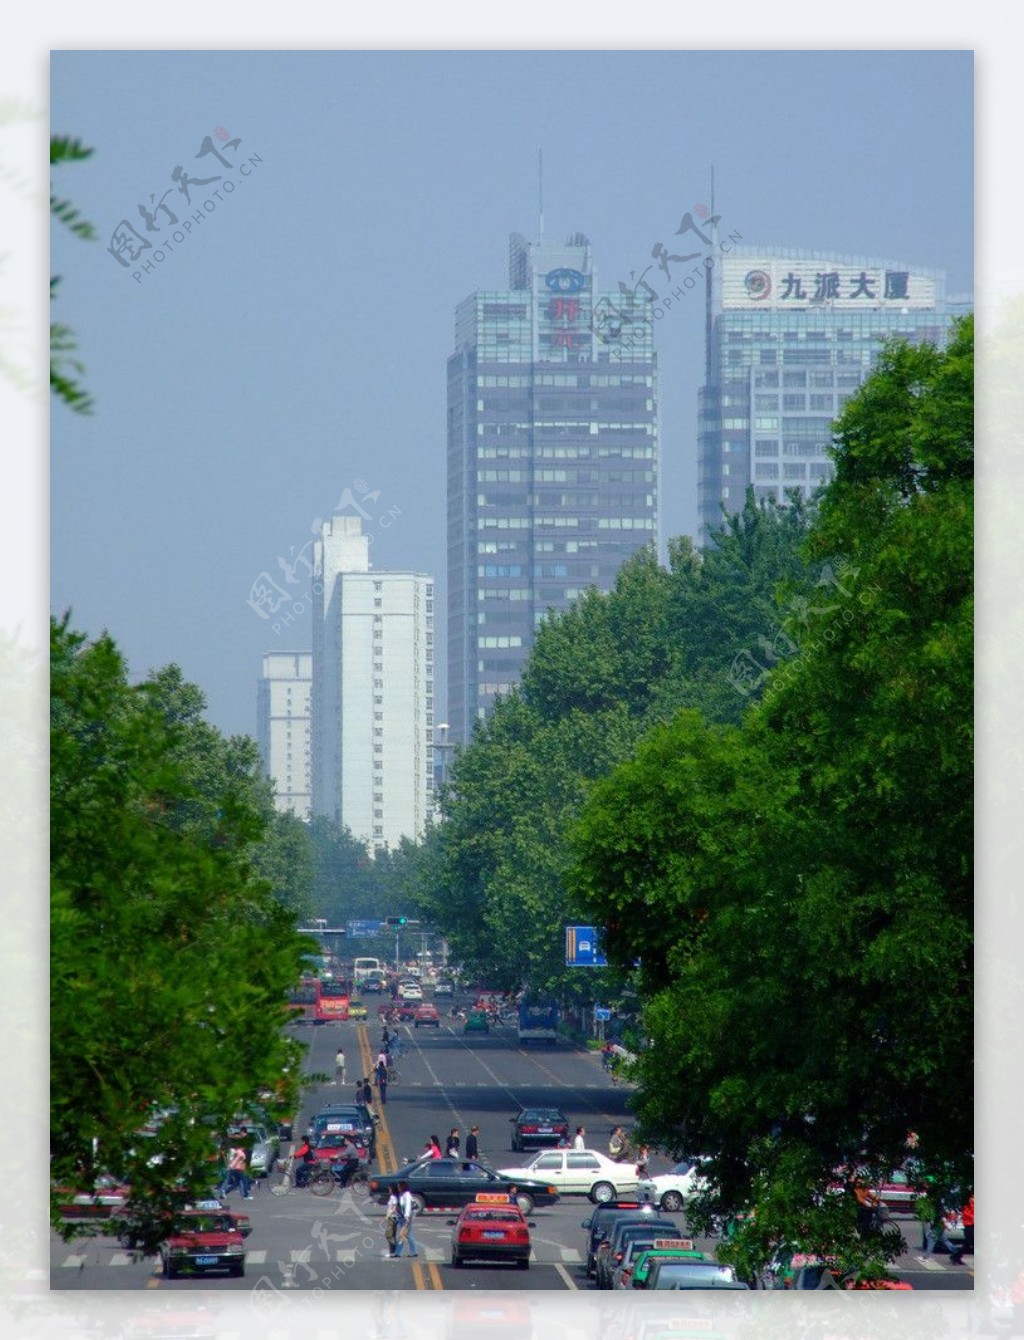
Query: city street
column 302, row 1241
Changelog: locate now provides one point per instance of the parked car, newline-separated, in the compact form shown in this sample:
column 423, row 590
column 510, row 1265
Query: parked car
column 645, row 1248
column 604, row 1216
column 584, row 1172
column 452, row 1182
column 205, row 1240
column 611, row 1250
column 491, row 1229
column 675, row 1274
column 534, row 1127
column 427, row 1014
column 668, row 1248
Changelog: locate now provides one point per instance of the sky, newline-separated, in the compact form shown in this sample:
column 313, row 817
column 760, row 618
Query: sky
column 294, row 344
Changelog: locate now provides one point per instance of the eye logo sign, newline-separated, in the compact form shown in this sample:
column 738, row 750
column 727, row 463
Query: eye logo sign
column 565, row 281
column 758, row 284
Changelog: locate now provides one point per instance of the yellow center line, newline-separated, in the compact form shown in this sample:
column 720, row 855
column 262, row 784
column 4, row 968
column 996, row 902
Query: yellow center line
column 417, row 1274
column 435, row 1274
column 386, row 1156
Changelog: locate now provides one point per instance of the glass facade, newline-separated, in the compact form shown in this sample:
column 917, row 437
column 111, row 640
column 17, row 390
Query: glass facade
column 552, row 460
column 790, row 337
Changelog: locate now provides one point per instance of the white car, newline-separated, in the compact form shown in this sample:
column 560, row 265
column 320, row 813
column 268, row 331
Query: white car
column 585, row 1172
column 410, row 991
column 673, row 1189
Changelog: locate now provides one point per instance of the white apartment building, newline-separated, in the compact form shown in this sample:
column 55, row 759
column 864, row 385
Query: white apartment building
column 373, row 690
column 283, row 700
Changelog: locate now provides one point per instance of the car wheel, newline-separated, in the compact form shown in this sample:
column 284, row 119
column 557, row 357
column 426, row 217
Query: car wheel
column 523, row 1263
column 602, row 1192
column 237, row 1272
column 525, row 1204
column 672, row 1201
column 418, row 1203
column 169, row 1272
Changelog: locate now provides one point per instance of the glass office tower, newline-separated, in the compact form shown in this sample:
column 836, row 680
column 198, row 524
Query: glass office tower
column 552, row 459
column 790, row 336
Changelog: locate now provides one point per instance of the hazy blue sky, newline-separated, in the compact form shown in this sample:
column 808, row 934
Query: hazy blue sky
column 295, row 342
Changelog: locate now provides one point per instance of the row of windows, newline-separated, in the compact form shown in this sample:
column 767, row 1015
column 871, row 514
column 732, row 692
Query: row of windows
column 499, row 642
column 816, row 470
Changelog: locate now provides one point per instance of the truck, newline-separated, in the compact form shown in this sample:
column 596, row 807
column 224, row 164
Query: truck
column 538, row 1022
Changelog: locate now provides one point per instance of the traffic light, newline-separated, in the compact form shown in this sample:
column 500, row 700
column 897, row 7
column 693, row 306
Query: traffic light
column 397, row 921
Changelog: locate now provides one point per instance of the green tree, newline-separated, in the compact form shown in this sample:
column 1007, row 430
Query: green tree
column 63, row 344
column 169, row 957
column 799, row 889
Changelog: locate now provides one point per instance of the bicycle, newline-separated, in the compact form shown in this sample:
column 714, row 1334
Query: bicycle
column 325, row 1178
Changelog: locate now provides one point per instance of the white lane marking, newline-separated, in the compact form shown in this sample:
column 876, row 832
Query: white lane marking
column 255, row 1258
column 571, row 1256
column 435, row 1254
column 930, row 1263
column 300, row 1257
column 75, row 1261
column 570, row 1282
column 120, row 1259
column 345, row 1256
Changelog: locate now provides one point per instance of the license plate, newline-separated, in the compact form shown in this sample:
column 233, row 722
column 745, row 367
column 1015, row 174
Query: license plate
column 493, row 1234
column 206, row 1260
column 546, row 1130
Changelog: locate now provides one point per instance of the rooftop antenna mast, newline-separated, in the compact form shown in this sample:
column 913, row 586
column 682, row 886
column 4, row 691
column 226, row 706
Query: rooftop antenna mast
column 540, row 190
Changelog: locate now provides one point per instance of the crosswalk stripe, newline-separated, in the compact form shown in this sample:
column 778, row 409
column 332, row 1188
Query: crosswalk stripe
column 120, row 1259
column 345, row 1256
column 74, row 1261
column 300, row 1257
column 255, row 1258
column 929, row 1263
column 570, row 1256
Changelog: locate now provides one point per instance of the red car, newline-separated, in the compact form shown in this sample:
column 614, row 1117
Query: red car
column 206, row 1240
column 491, row 1228
column 427, row 1014
column 407, row 1011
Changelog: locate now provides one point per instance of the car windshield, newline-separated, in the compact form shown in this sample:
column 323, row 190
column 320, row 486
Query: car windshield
column 546, row 1114
column 695, row 1272
column 208, row 1223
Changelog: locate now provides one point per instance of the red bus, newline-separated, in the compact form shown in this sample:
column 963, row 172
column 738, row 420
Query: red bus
column 302, row 1000
column 331, row 1002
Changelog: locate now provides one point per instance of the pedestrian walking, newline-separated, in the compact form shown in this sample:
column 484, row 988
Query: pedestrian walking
column 579, row 1140
column 339, row 1067
column 238, row 1162
column 618, row 1145
column 956, row 1257
column 364, row 1094
column 391, row 1224
column 473, row 1143
column 452, row 1144
column 382, row 1086
column 406, row 1214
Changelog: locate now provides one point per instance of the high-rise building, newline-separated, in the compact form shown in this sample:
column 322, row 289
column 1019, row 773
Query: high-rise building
column 282, row 727
column 373, row 690
column 552, row 459
column 790, row 336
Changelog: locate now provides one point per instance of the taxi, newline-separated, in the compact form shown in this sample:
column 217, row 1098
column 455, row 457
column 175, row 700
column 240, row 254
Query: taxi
column 203, row 1240
column 639, row 1268
column 357, row 1010
column 491, row 1228
column 476, row 1022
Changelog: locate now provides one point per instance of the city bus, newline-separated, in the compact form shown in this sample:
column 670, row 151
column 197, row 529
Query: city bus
column 331, row 1002
column 302, row 1000
column 363, row 968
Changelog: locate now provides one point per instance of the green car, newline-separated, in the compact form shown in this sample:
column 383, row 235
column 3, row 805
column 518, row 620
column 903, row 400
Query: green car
column 476, row 1022
column 664, row 1248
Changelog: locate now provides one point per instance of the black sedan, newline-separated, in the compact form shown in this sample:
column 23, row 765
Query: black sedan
column 448, row 1183
column 538, row 1128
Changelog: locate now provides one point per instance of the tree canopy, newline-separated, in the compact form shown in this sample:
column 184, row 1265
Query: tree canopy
column 170, row 956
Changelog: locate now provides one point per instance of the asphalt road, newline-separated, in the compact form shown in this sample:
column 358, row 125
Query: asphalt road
column 304, row 1242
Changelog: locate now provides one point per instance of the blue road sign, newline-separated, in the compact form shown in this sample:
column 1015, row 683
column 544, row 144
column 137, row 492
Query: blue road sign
column 357, row 928
column 582, row 947
column 601, row 1014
